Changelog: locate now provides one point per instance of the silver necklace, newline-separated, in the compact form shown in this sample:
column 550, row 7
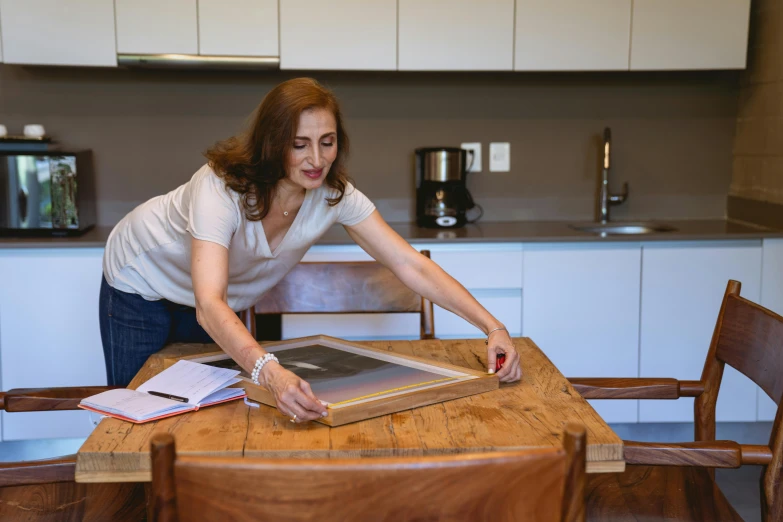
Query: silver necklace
column 285, row 212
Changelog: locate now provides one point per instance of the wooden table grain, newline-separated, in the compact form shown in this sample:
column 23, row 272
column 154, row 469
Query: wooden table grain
column 528, row 414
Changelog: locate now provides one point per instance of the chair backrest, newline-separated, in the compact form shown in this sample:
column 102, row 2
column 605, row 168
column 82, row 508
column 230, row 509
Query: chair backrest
column 749, row 338
column 343, row 287
column 539, row 484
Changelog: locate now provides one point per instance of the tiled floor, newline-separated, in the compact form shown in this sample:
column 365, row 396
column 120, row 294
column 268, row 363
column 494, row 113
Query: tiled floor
column 741, row 486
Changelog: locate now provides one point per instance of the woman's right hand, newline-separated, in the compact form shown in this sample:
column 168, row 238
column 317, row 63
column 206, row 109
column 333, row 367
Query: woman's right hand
column 293, row 395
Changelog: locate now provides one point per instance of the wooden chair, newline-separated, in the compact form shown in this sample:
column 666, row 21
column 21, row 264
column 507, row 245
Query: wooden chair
column 676, row 481
column 344, row 287
column 541, row 485
column 45, row 490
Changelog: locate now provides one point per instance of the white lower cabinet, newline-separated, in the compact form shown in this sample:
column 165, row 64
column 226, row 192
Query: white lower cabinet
column 772, row 298
column 492, row 273
column 613, row 309
column 682, row 288
column 580, row 305
column 49, row 333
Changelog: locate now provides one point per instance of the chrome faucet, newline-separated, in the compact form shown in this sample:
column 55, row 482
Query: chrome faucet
column 605, row 197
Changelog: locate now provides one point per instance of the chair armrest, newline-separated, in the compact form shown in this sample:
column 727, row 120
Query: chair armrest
column 708, row 454
column 631, row 388
column 47, row 399
column 61, row 469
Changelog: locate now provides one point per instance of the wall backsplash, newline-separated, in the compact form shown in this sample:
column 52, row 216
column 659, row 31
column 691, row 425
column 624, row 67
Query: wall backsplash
column 757, row 181
column 672, row 132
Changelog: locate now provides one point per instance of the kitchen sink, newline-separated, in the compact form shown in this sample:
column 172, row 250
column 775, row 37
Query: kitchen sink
column 623, row 228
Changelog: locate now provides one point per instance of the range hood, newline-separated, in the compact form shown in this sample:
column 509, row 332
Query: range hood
column 195, row 61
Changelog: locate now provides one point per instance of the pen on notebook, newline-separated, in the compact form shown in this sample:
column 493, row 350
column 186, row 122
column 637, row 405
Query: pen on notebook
column 168, row 396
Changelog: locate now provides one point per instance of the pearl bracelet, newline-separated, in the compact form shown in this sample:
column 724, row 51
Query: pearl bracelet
column 260, row 363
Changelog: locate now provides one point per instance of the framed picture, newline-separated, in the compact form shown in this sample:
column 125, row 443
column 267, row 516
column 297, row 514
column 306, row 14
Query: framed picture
column 357, row 382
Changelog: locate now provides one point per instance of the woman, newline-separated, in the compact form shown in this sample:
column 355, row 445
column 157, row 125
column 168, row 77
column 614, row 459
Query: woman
column 179, row 267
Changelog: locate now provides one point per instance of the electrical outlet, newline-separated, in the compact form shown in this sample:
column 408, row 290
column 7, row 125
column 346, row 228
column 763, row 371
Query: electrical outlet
column 499, row 157
column 475, row 162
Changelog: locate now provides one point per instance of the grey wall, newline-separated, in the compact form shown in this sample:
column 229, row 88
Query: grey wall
column 672, row 132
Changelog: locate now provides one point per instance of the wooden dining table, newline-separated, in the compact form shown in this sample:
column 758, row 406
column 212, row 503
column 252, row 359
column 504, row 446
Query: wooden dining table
column 528, row 414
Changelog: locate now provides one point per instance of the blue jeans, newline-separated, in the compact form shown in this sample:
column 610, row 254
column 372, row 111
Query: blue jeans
column 133, row 328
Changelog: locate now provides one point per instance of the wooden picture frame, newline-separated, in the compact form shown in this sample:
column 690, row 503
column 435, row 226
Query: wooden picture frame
column 456, row 382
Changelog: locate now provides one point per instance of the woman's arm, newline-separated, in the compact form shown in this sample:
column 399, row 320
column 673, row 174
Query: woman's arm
column 426, row 278
column 209, row 270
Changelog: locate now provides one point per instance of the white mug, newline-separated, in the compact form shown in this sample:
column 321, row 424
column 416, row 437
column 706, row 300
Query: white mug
column 3, row 131
column 34, row 131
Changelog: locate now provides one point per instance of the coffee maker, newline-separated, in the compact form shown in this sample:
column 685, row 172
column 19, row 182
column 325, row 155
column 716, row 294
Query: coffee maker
column 442, row 197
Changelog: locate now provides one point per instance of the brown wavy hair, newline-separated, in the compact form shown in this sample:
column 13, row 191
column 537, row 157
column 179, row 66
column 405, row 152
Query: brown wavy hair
column 253, row 162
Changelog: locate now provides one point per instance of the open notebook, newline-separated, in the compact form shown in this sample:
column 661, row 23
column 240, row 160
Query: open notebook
column 185, row 386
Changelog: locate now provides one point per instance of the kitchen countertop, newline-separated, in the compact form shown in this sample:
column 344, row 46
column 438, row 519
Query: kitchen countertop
column 498, row 232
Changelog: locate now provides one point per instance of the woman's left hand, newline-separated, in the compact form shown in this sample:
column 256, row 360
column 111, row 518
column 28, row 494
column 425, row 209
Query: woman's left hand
column 500, row 342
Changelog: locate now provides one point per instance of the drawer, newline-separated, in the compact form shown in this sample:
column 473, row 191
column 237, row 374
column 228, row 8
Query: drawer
column 46, row 425
column 483, row 268
column 354, row 326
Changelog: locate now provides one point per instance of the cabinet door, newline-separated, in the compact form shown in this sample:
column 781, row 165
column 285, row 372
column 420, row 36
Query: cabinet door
column 54, row 32
column 237, row 27
column 689, row 34
column 572, row 35
column 504, row 305
column 344, row 34
column 492, row 273
column 49, row 333
column 772, row 298
column 580, row 305
column 456, row 35
column 682, row 289
column 157, row 26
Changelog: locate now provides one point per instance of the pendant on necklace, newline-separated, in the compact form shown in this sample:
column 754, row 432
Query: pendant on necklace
column 285, row 213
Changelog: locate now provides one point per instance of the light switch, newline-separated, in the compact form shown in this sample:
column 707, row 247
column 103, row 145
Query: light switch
column 475, row 161
column 499, row 157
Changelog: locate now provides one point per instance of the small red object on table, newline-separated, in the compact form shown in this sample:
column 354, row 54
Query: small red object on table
column 499, row 360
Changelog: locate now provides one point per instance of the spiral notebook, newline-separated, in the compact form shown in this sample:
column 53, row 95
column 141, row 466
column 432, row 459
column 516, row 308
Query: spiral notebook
column 185, row 386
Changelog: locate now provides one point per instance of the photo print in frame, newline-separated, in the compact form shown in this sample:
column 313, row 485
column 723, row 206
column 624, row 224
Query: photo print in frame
column 358, row 382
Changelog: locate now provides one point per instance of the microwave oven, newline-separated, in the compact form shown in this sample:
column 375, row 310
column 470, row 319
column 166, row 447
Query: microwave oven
column 46, row 193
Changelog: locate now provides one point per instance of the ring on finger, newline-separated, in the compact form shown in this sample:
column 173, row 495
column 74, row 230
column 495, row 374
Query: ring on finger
column 293, row 419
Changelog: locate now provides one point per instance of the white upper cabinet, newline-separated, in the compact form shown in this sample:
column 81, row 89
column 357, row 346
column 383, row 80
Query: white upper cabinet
column 237, row 27
column 456, row 35
column 689, row 34
column 342, row 34
column 55, row 32
column 157, row 26
column 572, row 35
column 1, row 38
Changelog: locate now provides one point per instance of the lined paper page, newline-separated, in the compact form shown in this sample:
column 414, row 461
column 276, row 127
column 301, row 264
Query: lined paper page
column 193, row 381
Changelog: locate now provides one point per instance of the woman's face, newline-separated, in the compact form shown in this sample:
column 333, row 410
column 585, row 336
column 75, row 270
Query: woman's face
column 314, row 148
